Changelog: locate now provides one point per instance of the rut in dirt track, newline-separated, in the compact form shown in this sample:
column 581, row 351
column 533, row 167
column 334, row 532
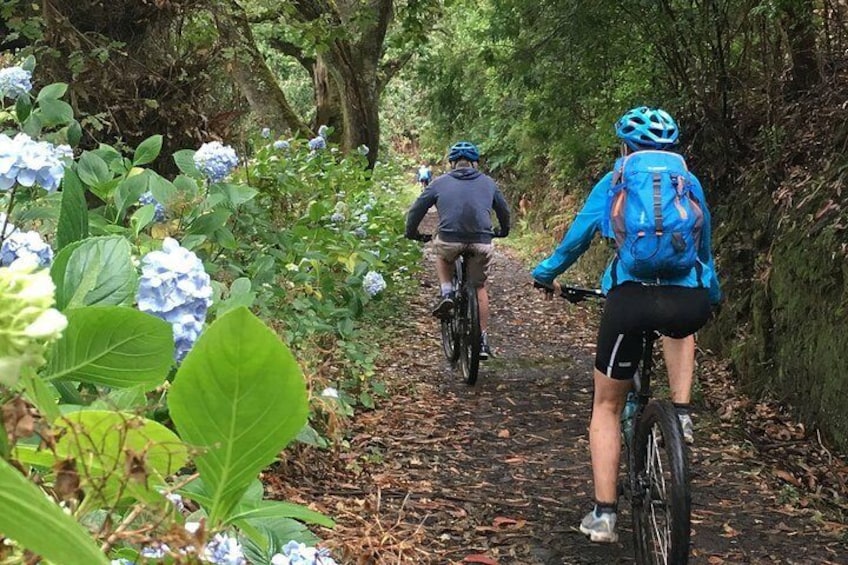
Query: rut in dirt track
column 501, row 471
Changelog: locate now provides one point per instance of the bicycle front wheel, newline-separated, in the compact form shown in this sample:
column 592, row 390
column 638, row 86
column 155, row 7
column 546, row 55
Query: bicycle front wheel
column 662, row 500
column 470, row 341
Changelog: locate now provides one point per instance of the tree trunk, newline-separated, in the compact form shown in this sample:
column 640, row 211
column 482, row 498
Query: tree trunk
column 252, row 75
column 356, row 77
column 328, row 104
column 799, row 24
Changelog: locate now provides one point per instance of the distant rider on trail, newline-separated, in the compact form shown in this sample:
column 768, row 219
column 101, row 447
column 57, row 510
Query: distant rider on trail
column 424, row 175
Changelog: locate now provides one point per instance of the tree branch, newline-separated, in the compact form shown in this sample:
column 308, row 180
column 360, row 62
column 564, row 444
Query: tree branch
column 292, row 50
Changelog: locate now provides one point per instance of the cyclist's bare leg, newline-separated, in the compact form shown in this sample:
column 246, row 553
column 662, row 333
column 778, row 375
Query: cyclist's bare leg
column 444, row 270
column 483, row 306
column 680, row 362
column 604, row 434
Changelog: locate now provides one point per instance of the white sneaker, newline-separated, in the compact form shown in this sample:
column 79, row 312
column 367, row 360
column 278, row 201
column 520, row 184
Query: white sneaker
column 600, row 528
column 688, row 428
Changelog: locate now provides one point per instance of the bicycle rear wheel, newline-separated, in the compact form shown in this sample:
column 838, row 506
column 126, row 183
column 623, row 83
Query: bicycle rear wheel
column 450, row 338
column 661, row 499
column 470, row 339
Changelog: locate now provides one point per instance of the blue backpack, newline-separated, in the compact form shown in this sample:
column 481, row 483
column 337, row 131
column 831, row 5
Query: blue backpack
column 654, row 216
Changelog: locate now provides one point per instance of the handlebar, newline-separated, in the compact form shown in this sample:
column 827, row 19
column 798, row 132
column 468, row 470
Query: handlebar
column 572, row 293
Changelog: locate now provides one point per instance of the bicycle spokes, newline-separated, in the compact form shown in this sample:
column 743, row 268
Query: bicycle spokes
column 656, row 497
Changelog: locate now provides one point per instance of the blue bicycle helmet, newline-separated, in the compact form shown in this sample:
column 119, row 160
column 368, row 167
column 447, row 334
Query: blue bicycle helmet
column 644, row 127
column 463, row 150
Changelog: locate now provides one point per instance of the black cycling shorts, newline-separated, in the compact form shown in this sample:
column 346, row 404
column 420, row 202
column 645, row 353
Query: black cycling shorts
column 632, row 309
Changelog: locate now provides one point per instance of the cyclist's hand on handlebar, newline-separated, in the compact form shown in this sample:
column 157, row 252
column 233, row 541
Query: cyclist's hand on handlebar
column 422, row 237
column 549, row 289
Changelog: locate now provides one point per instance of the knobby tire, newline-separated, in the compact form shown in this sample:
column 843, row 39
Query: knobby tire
column 450, row 338
column 662, row 499
column 470, row 340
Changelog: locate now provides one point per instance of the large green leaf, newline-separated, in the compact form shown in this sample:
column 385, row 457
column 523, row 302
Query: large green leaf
column 97, row 270
column 73, row 216
column 130, row 190
column 239, row 397
column 55, row 112
column 101, row 442
column 147, row 150
column 31, row 519
column 113, row 346
column 184, row 158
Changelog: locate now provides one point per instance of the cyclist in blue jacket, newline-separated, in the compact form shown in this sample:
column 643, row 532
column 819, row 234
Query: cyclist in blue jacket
column 677, row 307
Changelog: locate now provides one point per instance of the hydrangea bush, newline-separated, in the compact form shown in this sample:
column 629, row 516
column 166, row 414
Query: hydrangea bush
column 98, row 347
column 128, row 313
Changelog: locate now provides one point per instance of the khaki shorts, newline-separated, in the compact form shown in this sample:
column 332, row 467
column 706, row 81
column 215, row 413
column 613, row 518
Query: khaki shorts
column 479, row 257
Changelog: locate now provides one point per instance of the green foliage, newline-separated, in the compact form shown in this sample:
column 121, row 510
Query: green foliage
column 120, row 456
column 36, row 522
column 96, row 270
column 240, row 398
column 112, row 346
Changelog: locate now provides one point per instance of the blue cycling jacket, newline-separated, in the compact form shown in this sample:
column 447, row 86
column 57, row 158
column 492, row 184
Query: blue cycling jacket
column 591, row 219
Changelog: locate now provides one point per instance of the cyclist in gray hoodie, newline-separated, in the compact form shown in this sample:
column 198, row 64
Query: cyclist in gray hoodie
column 464, row 198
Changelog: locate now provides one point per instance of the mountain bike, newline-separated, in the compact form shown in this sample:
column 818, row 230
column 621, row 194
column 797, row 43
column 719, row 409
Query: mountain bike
column 657, row 462
column 461, row 330
column 461, row 333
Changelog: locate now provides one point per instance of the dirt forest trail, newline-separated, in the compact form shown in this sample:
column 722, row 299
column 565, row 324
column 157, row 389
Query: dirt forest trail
column 444, row 473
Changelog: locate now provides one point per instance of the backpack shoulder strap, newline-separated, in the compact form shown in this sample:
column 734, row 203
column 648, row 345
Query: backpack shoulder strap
column 618, row 170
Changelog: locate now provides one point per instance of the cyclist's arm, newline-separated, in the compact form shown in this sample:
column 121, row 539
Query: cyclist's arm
column 418, row 210
column 705, row 249
column 579, row 235
column 501, row 209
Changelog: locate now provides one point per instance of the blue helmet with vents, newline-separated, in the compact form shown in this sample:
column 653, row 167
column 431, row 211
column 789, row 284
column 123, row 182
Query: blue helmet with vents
column 463, row 150
column 647, row 128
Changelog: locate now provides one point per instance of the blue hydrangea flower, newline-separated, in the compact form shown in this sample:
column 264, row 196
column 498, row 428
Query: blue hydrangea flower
column 363, row 218
column 156, row 552
column 363, row 150
column 224, row 550
column 317, row 143
column 14, row 82
column 368, row 207
column 25, row 245
column 373, row 283
column 360, row 232
column 175, row 287
column 294, row 553
column 281, row 144
column 337, row 217
column 158, row 207
column 266, row 132
column 28, row 162
column 215, row 160
column 323, row 132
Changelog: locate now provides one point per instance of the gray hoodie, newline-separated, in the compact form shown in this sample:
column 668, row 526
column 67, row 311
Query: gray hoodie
column 464, row 199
